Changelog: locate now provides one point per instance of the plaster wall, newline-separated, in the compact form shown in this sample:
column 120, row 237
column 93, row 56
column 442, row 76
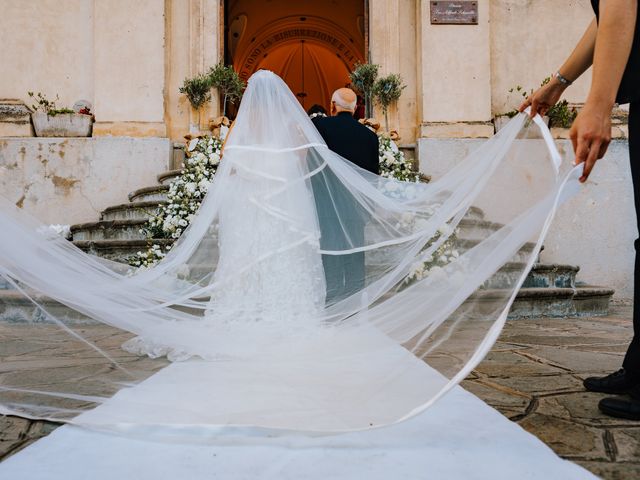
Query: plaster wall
column 530, row 41
column 47, row 46
column 595, row 229
column 68, row 181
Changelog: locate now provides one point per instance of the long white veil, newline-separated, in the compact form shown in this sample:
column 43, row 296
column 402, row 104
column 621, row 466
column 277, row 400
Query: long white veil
column 306, row 295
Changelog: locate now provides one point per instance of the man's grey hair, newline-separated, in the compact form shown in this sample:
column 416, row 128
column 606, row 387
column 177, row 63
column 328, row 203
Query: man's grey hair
column 342, row 103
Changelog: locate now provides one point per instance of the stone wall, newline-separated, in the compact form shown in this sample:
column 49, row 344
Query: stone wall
column 530, row 41
column 69, row 181
column 109, row 52
column 47, row 46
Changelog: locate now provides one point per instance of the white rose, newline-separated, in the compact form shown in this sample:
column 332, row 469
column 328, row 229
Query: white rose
column 204, row 185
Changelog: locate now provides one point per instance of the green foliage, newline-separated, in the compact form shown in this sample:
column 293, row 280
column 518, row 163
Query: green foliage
column 387, row 90
column 43, row 104
column 363, row 79
column 197, row 90
column 228, row 83
column 561, row 115
column 520, row 91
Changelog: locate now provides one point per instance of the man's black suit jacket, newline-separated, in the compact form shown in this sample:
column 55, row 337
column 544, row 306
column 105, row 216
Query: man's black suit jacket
column 342, row 219
column 351, row 140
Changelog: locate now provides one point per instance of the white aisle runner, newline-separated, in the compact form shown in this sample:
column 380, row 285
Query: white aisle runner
column 460, row 437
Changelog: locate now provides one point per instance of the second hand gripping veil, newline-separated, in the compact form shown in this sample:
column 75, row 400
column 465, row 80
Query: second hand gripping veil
column 307, row 295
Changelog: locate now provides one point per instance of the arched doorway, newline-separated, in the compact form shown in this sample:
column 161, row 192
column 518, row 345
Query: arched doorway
column 311, row 44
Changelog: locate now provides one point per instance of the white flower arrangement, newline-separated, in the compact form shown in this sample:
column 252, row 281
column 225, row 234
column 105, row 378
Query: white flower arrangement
column 55, row 230
column 183, row 200
column 393, row 163
column 317, row 114
column 433, row 264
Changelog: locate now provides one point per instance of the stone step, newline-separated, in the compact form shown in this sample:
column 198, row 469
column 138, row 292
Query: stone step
column 475, row 213
column 529, row 303
column 591, row 301
column 521, row 256
column 117, row 250
column 16, row 308
column 540, row 276
column 476, row 229
column 156, row 193
column 131, row 211
column 165, row 178
column 124, row 222
column 4, row 284
column 545, row 275
column 121, row 250
column 548, row 302
column 110, row 230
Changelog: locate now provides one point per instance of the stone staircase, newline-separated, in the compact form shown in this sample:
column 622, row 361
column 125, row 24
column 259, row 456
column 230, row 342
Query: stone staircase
column 549, row 290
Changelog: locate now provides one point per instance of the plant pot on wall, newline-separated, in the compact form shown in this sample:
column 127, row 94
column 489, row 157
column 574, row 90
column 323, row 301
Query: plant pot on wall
column 62, row 124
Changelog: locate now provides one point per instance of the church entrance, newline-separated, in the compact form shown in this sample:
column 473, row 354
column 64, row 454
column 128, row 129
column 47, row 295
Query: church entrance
column 311, row 44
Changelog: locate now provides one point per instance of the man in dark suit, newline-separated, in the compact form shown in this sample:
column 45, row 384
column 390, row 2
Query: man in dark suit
column 342, row 219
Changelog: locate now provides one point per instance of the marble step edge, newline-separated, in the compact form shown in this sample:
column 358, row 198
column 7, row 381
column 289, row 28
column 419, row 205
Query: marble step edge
column 582, row 301
column 165, row 178
column 537, row 292
column 149, row 193
column 467, row 225
column 144, row 206
column 529, row 303
column 117, row 249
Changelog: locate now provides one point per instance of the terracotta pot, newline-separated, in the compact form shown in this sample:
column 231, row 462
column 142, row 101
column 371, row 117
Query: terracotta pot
column 62, row 125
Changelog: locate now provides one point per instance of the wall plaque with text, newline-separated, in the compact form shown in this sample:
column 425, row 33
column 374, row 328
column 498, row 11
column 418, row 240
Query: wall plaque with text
column 454, row 13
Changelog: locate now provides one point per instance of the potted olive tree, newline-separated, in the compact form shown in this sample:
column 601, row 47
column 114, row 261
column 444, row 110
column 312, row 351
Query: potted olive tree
column 387, row 90
column 51, row 121
column 363, row 79
column 198, row 92
column 229, row 84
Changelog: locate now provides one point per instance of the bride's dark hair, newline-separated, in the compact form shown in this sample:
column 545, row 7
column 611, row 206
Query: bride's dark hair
column 316, row 109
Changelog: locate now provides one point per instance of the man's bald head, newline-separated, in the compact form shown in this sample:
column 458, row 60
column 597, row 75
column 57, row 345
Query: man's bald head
column 343, row 100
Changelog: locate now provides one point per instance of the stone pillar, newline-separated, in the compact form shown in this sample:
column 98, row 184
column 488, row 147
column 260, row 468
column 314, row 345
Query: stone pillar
column 129, row 68
column 193, row 46
column 392, row 43
column 455, row 76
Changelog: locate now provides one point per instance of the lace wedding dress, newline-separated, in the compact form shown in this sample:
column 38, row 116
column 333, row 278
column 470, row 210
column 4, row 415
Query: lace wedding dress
column 242, row 297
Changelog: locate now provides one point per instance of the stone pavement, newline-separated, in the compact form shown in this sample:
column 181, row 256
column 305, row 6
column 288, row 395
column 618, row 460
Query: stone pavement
column 533, row 376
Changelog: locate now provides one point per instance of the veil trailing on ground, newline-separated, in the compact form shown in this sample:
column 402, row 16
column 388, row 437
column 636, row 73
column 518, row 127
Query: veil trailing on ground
column 305, row 295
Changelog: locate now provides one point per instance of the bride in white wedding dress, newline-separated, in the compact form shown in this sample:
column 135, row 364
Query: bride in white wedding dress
column 241, row 296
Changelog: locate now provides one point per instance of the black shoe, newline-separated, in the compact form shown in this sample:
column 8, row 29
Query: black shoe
column 616, row 383
column 622, row 408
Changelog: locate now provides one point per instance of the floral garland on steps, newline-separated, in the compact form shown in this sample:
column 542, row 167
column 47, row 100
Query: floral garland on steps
column 183, row 200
